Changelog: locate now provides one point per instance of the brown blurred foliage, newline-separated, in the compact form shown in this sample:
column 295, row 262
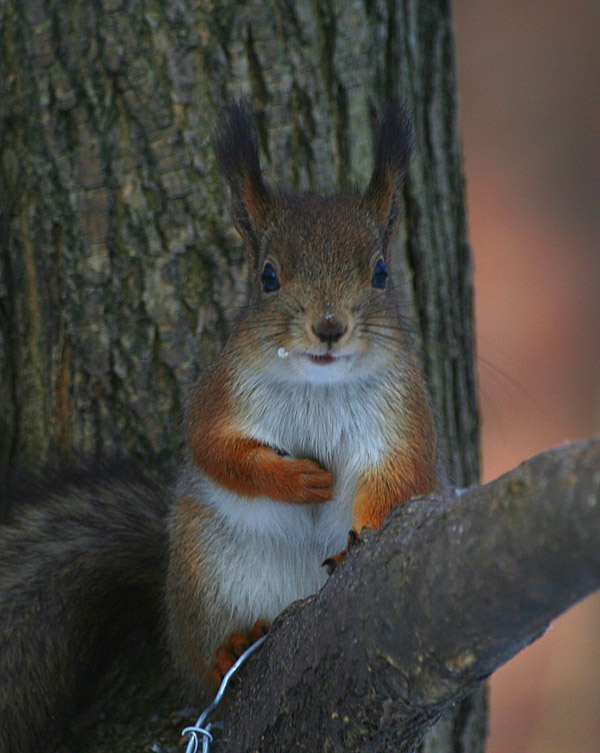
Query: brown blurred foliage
column 529, row 85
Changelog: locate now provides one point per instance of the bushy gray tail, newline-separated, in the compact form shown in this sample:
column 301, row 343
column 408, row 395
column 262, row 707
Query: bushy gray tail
column 75, row 561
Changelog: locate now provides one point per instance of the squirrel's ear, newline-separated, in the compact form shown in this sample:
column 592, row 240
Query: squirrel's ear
column 392, row 152
column 236, row 147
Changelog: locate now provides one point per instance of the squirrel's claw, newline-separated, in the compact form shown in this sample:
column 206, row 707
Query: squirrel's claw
column 332, row 562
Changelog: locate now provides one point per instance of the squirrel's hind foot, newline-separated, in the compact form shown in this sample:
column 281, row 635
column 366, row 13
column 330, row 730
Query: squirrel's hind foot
column 227, row 653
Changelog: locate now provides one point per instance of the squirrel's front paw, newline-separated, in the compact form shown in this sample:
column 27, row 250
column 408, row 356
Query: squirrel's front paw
column 227, row 653
column 311, row 483
column 297, row 480
column 332, row 562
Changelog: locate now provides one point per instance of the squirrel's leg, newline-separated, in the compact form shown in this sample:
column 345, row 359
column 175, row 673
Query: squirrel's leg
column 198, row 615
column 392, row 483
column 189, row 620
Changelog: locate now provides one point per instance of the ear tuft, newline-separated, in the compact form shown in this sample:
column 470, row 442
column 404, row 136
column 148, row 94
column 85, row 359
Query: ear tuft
column 236, row 147
column 392, row 154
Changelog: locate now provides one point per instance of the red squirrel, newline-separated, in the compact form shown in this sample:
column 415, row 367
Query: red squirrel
column 314, row 421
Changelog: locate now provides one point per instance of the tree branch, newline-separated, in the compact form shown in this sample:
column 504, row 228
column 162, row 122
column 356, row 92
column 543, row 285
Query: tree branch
column 449, row 589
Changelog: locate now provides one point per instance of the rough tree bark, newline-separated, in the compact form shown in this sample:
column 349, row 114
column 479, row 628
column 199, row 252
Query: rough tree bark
column 119, row 269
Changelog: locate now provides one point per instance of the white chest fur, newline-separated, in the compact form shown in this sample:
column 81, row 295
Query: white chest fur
column 339, row 425
column 267, row 553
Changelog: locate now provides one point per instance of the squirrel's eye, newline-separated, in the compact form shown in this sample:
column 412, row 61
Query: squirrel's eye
column 269, row 279
column 380, row 275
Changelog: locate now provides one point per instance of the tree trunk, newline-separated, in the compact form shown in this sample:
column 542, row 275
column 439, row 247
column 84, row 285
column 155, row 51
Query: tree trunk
column 119, row 266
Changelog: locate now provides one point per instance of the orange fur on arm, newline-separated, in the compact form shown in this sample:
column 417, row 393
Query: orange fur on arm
column 252, row 469
column 390, row 485
column 408, row 471
column 245, row 465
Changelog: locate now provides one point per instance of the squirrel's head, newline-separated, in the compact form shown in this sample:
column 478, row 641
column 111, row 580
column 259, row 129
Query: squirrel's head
column 321, row 306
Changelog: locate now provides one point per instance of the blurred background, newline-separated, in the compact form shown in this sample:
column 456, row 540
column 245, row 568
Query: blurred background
column 529, row 87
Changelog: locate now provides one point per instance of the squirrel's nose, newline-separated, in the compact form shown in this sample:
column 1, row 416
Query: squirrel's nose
column 329, row 329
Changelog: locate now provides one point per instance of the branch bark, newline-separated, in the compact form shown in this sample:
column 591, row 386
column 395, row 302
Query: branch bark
column 449, row 589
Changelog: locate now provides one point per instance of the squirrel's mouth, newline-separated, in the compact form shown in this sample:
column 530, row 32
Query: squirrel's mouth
column 322, row 360
column 327, row 358
column 323, row 369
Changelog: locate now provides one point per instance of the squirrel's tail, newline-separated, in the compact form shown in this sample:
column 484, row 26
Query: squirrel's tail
column 75, row 561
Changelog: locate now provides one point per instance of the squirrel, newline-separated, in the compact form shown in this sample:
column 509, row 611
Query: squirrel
column 312, row 423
